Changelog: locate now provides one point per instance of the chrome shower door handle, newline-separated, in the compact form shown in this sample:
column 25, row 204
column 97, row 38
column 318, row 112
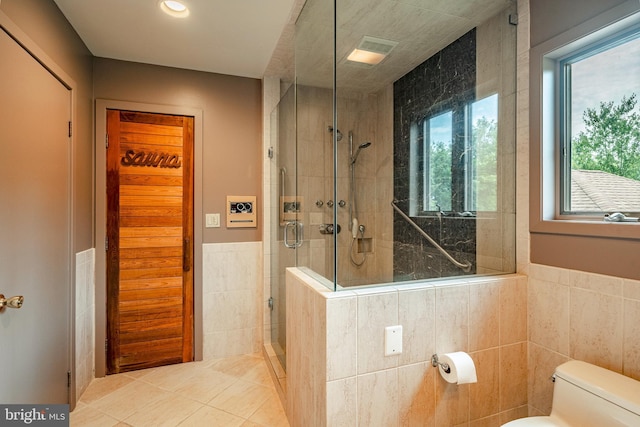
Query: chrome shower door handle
column 298, row 230
column 299, row 234
column 13, row 302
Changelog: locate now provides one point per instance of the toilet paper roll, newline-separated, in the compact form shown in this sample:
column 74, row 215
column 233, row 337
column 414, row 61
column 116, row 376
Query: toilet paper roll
column 462, row 370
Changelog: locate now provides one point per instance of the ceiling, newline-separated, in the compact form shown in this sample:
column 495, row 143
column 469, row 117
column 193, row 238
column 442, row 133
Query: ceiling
column 255, row 38
column 235, row 37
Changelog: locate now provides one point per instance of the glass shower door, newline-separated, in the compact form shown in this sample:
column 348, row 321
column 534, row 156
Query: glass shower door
column 286, row 225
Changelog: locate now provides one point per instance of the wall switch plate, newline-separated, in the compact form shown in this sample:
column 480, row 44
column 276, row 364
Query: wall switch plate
column 212, row 220
column 392, row 340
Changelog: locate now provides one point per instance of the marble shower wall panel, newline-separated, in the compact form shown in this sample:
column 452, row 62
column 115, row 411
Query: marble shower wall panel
column 444, row 81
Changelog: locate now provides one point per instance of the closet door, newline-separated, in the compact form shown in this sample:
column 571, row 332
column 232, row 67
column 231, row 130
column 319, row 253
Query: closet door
column 35, row 230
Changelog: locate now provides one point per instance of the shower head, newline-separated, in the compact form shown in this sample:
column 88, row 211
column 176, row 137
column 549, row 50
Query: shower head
column 360, row 147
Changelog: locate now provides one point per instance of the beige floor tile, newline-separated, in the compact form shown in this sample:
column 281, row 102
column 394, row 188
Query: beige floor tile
column 270, row 414
column 130, row 399
column 100, row 387
column 166, row 412
column 171, row 377
column 227, row 392
column 238, row 366
column 86, row 416
column 205, row 384
column 212, row 417
column 242, row 398
column 259, row 374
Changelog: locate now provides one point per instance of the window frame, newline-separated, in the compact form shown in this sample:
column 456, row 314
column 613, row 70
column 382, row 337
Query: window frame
column 462, row 141
column 564, row 118
column 546, row 133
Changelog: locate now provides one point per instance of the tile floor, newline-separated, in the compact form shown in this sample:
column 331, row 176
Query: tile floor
column 230, row 392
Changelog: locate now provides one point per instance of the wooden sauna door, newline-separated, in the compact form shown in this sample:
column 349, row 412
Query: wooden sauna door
column 149, row 240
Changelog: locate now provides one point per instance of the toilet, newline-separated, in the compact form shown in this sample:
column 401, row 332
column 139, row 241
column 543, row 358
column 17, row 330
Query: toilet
column 586, row 395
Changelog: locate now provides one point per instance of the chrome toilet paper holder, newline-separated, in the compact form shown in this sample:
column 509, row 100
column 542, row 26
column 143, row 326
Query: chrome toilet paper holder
column 445, row 366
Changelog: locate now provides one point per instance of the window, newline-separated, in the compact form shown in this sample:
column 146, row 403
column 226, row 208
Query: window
column 436, row 176
column 600, row 122
column 456, row 160
column 591, row 124
column 563, row 234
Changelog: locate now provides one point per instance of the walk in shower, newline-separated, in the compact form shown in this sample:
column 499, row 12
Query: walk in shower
column 398, row 141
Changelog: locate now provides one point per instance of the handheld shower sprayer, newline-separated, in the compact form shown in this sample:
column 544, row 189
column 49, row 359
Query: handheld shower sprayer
column 360, row 147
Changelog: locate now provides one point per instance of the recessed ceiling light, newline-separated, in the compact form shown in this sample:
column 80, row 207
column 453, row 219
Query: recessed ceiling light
column 174, row 8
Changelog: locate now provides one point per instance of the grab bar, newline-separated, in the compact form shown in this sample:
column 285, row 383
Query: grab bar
column 466, row 266
column 283, row 176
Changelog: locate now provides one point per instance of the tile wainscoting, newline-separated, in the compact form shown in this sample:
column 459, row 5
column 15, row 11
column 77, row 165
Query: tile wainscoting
column 85, row 313
column 232, row 299
column 337, row 373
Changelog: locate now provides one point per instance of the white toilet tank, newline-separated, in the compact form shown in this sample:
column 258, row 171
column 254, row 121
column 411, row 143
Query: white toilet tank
column 586, row 395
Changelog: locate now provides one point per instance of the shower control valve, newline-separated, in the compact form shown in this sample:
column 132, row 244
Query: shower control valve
column 328, row 229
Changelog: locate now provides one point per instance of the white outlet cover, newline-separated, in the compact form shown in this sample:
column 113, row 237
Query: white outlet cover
column 392, row 340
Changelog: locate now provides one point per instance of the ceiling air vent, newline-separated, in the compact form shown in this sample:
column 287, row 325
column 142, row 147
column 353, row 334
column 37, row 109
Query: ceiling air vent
column 371, row 50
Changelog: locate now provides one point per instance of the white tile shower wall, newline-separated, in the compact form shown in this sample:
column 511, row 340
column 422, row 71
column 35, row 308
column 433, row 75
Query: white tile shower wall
column 338, row 374
column 84, row 322
column 232, row 299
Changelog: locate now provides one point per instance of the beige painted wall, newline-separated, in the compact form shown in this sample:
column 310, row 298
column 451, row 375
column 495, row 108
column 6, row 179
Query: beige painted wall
column 232, row 128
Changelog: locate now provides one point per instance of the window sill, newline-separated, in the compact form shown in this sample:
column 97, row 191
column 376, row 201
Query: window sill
column 585, row 228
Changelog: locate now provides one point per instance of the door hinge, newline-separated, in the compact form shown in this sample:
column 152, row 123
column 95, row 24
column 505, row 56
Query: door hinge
column 106, row 244
column 70, row 128
column 68, row 378
column 106, row 345
column 106, row 140
column 271, row 303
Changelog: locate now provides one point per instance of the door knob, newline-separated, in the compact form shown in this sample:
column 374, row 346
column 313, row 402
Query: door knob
column 13, row 302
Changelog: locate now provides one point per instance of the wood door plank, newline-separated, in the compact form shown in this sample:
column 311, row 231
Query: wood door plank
column 151, row 314
column 150, row 231
column 151, row 190
column 151, row 140
column 156, row 221
column 150, row 211
column 171, row 251
column 147, row 335
column 150, row 273
column 150, row 294
column 150, row 201
column 133, row 179
column 143, row 263
column 150, row 129
column 162, row 282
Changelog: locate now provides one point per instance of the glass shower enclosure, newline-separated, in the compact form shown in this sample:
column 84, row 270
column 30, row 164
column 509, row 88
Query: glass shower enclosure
column 395, row 158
